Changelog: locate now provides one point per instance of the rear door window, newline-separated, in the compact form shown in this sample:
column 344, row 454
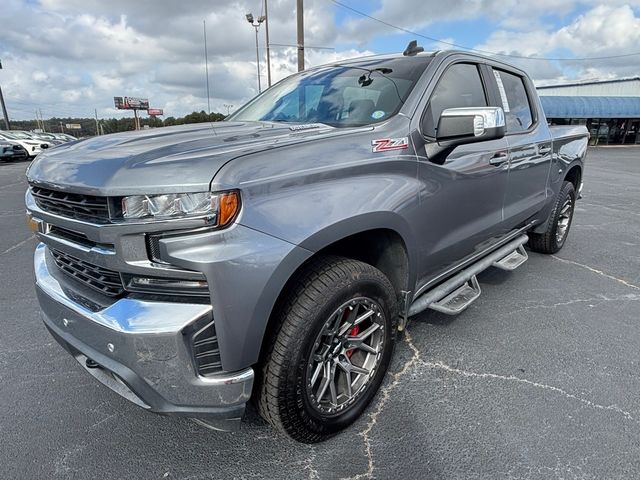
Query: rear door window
column 515, row 101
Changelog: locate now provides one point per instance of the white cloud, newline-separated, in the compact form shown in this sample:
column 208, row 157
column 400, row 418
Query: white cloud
column 604, row 30
column 75, row 55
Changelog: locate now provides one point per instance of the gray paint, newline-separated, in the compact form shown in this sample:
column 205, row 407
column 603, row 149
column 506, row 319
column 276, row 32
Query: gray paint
column 303, row 190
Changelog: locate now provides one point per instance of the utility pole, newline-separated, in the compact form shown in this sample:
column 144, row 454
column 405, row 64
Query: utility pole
column 38, row 121
column 266, row 28
column 4, row 107
column 206, row 65
column 228, row 106
column 61, row 128
column 95, row 110
column 4, row 111
column 300, row 15
column 44, row 129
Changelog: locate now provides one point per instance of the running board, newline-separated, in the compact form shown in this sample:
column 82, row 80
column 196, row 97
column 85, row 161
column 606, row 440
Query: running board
column 459, row 299
column 513, row 260
column 461, row 290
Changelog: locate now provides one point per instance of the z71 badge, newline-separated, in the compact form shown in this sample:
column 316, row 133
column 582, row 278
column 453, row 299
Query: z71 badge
column 386, row 144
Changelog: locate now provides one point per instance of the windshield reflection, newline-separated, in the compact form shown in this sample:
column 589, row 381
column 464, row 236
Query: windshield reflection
column 341, row 95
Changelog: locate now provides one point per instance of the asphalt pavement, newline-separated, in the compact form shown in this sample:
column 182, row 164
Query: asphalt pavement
column 537, row 379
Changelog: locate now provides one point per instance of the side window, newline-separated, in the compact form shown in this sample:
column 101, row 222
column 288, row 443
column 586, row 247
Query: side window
column 459, row 86
column 515, row 101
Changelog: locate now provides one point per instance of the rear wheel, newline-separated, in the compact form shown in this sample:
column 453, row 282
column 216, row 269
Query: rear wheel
column 330, row 351
column 553, row 239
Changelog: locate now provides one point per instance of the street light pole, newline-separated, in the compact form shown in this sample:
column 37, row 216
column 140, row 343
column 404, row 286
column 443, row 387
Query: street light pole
column 255, row 23
column 258, row 60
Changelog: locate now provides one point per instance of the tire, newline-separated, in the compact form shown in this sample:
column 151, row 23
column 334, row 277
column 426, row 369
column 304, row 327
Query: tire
column 329, row 295
column 554, row 238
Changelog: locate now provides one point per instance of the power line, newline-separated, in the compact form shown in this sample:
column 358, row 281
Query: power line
column 487, row 52
column 288, row 45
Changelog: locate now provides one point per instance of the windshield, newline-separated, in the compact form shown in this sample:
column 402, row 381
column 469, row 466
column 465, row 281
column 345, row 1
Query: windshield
column 19, row 135
column 341, row 95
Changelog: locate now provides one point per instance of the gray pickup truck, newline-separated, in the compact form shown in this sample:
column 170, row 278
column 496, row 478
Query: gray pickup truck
column 274, row 257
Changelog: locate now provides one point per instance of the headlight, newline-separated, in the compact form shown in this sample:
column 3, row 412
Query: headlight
column 220, row 208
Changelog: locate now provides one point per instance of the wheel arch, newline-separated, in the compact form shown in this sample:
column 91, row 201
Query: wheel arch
column 383, row 247
column 574, row 175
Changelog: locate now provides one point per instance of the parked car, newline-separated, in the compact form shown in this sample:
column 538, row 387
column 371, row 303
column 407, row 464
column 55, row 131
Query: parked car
column 35, row 136
column 12, row 152
column 46, row 137
column 31, row 145
column 65, row 137
column 276, row 255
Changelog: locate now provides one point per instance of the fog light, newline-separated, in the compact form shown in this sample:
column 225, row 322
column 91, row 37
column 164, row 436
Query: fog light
column 166, row 285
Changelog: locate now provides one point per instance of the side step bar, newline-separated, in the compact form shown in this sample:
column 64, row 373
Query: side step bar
column 461, row 290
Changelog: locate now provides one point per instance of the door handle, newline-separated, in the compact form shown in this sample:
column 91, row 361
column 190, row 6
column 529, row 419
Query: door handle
column 499, row 158
column 543, row 150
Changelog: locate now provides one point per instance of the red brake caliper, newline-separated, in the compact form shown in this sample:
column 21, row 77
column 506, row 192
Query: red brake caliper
column 352, row 333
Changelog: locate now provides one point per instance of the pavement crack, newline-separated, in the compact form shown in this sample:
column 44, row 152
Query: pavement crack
column 599, row 272
column 105, row 419
column 524, row 381
column 385, row 394
column 313, row 473
column 598, row 299
column 17, row 245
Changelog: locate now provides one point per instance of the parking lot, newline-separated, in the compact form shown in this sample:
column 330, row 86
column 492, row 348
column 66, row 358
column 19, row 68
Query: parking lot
column 538, row 379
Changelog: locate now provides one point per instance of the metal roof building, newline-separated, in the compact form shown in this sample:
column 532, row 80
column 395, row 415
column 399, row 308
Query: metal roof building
column 619, row 87
column 591, row 107
column 609, row 108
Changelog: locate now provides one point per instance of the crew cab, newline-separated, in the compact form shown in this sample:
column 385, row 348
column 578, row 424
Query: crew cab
column 274, row 257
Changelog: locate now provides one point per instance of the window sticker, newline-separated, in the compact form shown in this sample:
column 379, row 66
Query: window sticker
column 378, row 114
column 503, row 94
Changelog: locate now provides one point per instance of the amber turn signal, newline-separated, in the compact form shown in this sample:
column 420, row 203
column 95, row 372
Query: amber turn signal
column 229, row 206
column 34, row 225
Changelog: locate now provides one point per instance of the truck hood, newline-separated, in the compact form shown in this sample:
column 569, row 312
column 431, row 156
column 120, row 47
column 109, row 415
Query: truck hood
column 177, row 159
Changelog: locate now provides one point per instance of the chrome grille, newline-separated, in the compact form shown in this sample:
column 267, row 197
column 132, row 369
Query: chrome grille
column 98, row 278
column 72, row 205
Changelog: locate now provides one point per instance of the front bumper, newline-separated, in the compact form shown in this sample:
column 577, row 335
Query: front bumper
column 142, row 353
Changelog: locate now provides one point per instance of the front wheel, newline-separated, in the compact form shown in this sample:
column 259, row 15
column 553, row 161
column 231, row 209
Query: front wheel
column 330, row 350
column 552, row 240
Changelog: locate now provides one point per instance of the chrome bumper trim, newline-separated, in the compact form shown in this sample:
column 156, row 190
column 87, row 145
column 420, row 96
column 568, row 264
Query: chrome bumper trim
column 140, row 345
column 125, row 315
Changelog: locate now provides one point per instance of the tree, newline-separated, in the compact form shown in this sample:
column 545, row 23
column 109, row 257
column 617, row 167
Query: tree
column 114, row 125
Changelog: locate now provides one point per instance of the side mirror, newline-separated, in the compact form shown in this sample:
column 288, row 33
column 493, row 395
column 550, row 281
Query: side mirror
column 458, row 126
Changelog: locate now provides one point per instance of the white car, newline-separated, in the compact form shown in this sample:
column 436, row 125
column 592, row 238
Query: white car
column 31, row 145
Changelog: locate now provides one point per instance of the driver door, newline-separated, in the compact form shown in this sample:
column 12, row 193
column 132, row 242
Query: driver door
column 462, row 194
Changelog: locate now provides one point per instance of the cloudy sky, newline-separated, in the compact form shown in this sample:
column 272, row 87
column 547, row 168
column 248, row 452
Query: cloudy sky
column 67, row 57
